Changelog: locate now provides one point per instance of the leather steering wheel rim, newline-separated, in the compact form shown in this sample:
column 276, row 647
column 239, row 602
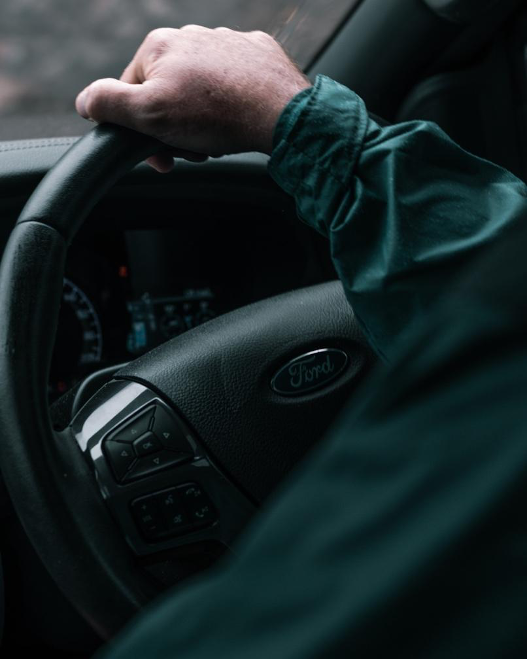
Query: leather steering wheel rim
column 45, row 475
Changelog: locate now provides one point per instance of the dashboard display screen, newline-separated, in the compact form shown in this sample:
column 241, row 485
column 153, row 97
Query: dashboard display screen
column 87, row 340
column 154, row 320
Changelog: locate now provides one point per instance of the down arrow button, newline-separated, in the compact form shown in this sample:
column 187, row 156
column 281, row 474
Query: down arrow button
column 169, row 432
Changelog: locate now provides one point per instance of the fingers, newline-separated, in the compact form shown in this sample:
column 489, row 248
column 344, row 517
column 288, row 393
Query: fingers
column 164, row 162
column 110, row 100
column 133, row 73
column 191, row 156
column 127, row 104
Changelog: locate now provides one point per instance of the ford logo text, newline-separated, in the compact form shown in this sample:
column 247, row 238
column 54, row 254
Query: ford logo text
column 309, row 371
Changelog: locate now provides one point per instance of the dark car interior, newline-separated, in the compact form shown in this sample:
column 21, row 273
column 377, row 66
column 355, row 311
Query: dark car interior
column 195, row 288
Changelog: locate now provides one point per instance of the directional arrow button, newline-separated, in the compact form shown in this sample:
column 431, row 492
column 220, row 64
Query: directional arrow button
column 170, row 433
column 121, row 457
column 158, row 461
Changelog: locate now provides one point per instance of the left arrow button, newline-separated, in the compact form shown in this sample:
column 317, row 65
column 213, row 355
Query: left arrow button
column 121, row 457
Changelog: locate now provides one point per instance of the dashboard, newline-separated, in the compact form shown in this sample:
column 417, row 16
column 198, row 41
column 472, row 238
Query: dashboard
column 130, row 287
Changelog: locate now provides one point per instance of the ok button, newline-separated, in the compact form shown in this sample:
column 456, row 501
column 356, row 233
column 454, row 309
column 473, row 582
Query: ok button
column 147, row 444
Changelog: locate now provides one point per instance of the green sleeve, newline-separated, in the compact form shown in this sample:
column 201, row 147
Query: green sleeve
column 404, row 208
column 403, row 534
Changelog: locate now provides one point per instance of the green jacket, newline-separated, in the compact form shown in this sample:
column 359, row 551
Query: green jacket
column 402, row 535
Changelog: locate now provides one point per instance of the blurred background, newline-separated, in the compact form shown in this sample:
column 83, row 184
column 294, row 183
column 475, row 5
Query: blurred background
column 51, row 49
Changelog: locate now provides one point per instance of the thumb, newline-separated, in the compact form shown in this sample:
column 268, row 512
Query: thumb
column 111, row 100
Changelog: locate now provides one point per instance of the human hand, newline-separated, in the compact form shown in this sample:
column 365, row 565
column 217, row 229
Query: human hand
column 203, row 92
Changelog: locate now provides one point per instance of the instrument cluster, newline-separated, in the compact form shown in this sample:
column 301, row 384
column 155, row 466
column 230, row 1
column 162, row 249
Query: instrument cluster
column 106, row 319
column 129, row 286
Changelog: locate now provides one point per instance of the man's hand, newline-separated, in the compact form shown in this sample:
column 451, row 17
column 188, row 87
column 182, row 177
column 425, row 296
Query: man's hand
column 202, row 92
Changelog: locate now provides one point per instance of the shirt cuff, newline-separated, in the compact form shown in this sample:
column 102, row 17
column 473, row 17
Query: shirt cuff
column 316, row 144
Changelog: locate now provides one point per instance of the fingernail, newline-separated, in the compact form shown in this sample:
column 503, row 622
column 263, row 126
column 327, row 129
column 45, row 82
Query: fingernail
column 80, row 105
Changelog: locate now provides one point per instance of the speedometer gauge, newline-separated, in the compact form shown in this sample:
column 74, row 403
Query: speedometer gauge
column 91, row 337
column 79, row 342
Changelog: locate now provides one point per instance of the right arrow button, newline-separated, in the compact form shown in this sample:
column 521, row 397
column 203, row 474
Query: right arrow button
column 169, row 432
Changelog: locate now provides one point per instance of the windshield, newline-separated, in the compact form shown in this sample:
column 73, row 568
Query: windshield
column 51, row 49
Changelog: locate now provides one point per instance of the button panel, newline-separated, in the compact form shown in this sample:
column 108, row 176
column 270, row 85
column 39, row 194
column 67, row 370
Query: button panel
column 214, row 511
column 172, row 512
column 145, row 444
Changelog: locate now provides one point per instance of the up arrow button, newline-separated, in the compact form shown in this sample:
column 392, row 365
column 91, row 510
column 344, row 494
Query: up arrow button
column 133, row 429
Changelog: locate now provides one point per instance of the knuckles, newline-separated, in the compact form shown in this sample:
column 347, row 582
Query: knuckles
column 159, row 35
column 263, row 36
column 194, row 28
column 158, row 41
column 97, row 97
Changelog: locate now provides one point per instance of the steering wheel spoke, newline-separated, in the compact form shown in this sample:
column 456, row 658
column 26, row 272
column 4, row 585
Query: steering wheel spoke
column 156, row 477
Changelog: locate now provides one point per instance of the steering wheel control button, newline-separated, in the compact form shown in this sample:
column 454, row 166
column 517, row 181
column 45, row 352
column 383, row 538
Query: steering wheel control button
column 121, row 457
column 172, row 510
column 169, row 432
column 147, row 444
column 198, row 505
column 149, row 518
column 147, row 465
column 134, row 429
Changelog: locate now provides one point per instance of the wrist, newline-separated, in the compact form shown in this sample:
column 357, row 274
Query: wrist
column 277, row 104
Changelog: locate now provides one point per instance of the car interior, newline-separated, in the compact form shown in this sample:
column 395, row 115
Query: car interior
column 144, row 422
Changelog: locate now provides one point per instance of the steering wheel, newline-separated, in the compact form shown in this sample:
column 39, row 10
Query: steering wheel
column 186, row 442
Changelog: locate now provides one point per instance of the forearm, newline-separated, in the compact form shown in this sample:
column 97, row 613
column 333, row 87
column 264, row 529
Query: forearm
column 404, row 208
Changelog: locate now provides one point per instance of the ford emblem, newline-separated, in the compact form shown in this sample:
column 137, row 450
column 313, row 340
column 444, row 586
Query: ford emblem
column 309, row 371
